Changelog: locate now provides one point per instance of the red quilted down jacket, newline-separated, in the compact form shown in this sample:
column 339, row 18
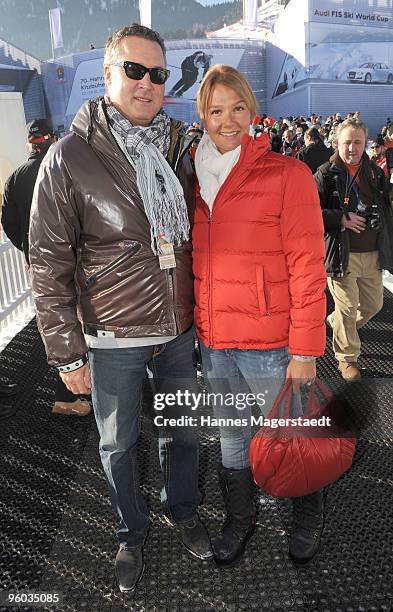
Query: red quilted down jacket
column 258, row 258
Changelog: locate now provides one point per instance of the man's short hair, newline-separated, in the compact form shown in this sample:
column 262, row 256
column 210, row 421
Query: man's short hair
column 357, row 124
column 135, row 29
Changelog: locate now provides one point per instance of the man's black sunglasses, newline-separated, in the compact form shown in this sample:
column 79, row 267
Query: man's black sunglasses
column 135, row 71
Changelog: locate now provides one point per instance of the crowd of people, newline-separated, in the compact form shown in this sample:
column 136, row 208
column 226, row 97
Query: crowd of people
column 293, row 135
column 312, row 139
column 140, row 233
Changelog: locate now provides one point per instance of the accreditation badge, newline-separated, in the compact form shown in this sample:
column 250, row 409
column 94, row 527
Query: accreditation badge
column 166, row 253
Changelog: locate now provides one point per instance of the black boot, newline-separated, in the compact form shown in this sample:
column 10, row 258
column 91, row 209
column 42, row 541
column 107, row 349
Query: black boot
column 238, row 488
column 306, row 528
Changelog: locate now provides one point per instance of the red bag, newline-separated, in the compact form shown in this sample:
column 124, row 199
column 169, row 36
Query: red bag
column 294, row 460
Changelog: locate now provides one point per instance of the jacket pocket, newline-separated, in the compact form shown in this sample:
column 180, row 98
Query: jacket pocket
column 263, row 298
column 91, row 280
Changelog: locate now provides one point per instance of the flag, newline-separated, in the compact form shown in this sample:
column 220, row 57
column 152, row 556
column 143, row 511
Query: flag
column 250, row 13
column 55, row 28
column 145, row 12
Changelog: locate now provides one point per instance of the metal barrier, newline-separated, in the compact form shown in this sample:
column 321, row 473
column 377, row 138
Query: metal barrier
column 387, row 280
column 16, row 301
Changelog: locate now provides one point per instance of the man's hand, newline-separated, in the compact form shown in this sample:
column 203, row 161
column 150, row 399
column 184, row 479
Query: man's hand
column 355, row 223
column 78, row 381
column 301, row 372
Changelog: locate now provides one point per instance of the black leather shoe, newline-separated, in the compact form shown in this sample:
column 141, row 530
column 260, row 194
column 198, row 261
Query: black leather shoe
column 194, row 537
column 307, row 528
column 8, row 389
column 238, row 490
column 129, row 567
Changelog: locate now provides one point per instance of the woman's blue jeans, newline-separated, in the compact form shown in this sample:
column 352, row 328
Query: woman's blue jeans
column 236, row 373
column 118, row 376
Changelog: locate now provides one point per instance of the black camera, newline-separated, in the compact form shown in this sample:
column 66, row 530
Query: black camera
column 371, row 217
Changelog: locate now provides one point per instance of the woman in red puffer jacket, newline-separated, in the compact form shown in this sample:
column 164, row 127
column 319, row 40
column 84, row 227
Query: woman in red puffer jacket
column 259, row 288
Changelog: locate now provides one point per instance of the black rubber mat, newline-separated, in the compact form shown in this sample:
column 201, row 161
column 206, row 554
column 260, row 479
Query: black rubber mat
column 57, row 530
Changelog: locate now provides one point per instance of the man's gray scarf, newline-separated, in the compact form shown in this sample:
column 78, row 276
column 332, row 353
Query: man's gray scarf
column 161, row 191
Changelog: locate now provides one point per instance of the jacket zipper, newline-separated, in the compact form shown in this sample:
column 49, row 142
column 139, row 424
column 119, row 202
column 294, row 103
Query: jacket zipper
column 340, row 256
column 210, row 285
column 340, row 237
column 266, row 299
column 111, row 266
column 181, row 153
column 219, row 194
column 172, row 293
column 178, row 159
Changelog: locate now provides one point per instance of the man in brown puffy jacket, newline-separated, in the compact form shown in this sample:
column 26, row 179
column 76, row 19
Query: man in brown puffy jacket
column 109, row 236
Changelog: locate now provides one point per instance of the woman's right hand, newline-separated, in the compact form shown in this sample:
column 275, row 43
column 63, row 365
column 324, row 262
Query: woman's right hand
column 301, row 372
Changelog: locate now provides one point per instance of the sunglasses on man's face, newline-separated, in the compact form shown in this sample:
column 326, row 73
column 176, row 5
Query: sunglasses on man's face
column 376, row 147
column 135, row 71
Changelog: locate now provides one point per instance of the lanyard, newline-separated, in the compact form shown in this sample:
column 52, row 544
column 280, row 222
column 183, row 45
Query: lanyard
column 356, row 189
column 350, row 183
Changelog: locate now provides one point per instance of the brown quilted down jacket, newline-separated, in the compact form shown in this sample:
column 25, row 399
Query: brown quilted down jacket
column 86, row 217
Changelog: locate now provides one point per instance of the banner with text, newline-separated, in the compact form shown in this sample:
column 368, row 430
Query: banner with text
column 362, row 13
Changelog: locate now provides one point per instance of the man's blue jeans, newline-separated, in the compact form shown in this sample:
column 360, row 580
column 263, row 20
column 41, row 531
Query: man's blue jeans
column 118, row 376
column 235, row 373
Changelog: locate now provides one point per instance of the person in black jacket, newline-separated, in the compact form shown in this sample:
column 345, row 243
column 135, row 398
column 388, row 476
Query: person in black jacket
column 358, row 225
column 314, row 153
column 18, row 194
column 18, row 190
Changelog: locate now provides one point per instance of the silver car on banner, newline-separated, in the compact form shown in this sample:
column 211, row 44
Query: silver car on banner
column 371, row 72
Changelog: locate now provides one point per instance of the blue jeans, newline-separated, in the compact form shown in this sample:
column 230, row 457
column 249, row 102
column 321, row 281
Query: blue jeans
column 118, row 377
column 235, row 373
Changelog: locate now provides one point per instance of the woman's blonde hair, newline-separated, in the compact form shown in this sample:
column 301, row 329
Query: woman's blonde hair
column 220, row 74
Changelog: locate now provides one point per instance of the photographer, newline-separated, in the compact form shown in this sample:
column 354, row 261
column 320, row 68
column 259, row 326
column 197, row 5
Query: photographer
column 358, row 225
